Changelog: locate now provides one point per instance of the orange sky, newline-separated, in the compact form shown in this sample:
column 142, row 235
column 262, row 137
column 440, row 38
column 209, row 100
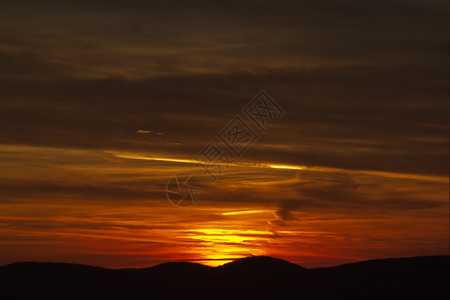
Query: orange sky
column 344, row 215
column 102, row 103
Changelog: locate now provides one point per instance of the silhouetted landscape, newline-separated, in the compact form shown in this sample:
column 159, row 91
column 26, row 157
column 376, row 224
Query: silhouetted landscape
column 258, row 277
column 136, row 133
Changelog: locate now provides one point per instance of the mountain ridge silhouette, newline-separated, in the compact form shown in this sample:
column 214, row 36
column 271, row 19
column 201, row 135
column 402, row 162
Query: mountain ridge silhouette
column 424, row 277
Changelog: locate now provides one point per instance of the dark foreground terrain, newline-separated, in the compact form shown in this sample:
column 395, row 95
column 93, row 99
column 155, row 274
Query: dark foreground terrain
column 424, row 277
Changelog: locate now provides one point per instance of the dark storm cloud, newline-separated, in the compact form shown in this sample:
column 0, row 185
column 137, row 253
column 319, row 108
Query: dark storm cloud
column 333, row 200
column 16, row 191
column 55, row 224
column 166, row 37
column 364, row 84
column 351, row 117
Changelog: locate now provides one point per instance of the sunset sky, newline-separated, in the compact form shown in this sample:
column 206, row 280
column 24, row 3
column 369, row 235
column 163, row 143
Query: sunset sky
column 101, row 103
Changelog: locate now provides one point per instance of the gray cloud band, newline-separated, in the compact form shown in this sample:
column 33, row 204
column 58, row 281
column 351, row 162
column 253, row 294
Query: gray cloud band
column 229, row 145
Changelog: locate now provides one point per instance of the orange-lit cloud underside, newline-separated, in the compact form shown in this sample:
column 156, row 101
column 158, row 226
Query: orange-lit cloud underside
column 114, row 212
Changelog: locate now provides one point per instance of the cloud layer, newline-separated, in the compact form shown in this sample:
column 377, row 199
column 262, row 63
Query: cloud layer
column 364, row 87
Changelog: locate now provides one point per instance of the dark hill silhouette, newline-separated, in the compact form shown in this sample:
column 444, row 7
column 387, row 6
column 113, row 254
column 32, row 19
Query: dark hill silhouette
column 424, row 277
column 262, row 264
column 174, row 268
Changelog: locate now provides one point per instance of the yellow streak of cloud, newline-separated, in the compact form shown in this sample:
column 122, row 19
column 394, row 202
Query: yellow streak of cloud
column 131, row 156
column 295, row 167
column 288, row 167
column 243, row 212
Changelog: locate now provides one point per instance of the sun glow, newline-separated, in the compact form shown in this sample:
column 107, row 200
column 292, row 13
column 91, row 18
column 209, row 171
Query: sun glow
column 224, row 245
